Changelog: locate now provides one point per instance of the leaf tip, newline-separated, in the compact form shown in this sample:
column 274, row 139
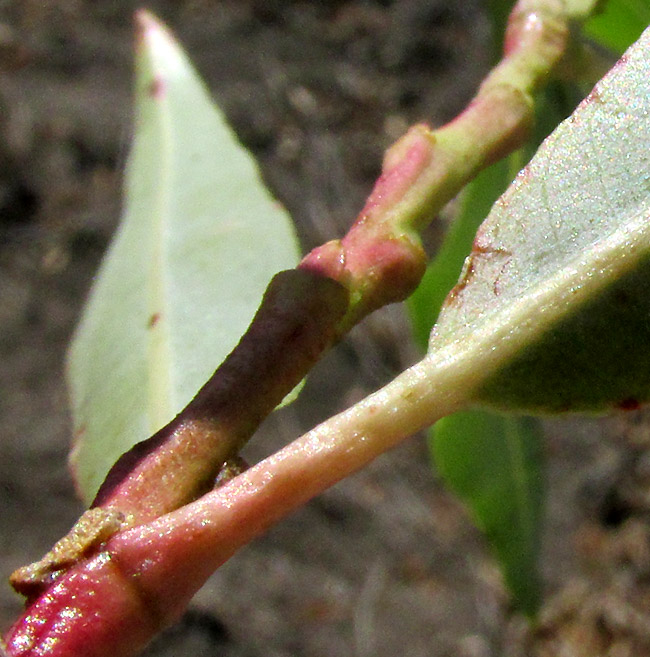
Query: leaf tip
column 155, row 42
column 145, row 22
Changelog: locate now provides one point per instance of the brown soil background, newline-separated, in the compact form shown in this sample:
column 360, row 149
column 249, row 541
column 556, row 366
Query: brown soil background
column 386, row 563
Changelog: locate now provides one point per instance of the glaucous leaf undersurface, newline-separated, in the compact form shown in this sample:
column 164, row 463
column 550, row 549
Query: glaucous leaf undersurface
column 550, row 313
column 199, row 240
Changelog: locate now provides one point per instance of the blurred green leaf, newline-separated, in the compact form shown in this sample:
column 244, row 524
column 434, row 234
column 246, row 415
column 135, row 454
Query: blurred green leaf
column 199, row 240
column 477, row 452
column 498, row 12
column 493, row 463
column 618, row 24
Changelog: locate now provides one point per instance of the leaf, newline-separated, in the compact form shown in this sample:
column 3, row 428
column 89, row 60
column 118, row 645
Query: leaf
column 199, row 239
column 552, row 106
column 493, row 463
column 498, row 12
column 480, row 445
column 550, row 312
column 619, row 23
column 501, row 485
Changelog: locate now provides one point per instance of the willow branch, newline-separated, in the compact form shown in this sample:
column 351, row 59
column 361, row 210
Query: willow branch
column 107, row 593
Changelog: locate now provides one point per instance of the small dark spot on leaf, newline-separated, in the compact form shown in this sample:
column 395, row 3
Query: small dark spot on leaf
column 78, row 435
column 629, row 404
column 622, row 61
column 455, row 291
column 153, row 320
column 594, row 96
column 157, row 88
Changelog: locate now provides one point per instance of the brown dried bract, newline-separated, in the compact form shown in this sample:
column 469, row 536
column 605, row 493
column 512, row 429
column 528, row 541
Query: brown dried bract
column 94, row 527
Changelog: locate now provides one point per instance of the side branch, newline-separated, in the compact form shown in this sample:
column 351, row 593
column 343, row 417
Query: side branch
column 380, row 259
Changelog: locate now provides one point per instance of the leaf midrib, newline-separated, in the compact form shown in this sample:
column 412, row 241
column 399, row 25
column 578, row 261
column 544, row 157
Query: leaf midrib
column 159, row 351
column 520, row 479
column 483, row 348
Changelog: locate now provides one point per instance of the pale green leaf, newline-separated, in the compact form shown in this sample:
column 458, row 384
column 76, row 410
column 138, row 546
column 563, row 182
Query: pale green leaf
column 492, row 462
column 199, row 240
column 551, row 310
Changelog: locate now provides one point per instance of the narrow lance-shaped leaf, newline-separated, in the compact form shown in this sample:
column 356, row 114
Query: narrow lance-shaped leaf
column 199, row 240
column 493, row 463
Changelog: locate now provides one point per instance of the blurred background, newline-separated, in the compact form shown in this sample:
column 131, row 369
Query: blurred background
column 387, row 563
